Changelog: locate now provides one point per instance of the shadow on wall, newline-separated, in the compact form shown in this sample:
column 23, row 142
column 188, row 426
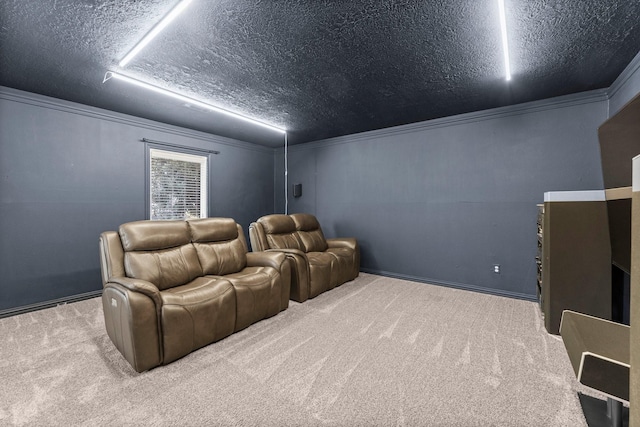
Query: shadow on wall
column 367, row 258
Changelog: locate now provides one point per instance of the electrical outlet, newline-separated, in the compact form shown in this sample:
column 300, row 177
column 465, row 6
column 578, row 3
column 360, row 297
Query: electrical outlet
column 496, row 268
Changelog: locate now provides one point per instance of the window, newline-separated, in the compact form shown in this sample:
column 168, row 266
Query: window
column 177, row 185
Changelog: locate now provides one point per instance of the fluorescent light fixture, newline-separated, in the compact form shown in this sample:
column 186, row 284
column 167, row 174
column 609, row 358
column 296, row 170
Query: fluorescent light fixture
column 505, row 44
column 154, row 32
column 117, row 76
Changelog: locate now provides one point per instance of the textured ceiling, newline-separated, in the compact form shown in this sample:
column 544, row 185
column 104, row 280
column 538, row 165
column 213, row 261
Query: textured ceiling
column 317, row 68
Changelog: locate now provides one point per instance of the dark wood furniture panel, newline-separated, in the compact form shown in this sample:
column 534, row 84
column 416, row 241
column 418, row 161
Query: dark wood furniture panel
column 634, row 373
column 540, row 224
column 619, row 143
column 576, row 261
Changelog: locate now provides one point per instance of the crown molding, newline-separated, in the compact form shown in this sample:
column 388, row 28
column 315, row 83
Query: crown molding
column 626, row 74
column 16, row 95
column 472, row 117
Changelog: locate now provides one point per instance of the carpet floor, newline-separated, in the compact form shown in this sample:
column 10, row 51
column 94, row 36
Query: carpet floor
column 376, row 351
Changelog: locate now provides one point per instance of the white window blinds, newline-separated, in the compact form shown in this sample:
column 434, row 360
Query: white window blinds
column 178, row 185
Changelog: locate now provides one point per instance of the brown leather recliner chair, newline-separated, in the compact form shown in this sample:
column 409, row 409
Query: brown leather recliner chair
column 317, row 264
column 171, row 287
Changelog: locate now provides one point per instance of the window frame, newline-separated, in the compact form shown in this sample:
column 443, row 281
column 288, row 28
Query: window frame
column 179, row 154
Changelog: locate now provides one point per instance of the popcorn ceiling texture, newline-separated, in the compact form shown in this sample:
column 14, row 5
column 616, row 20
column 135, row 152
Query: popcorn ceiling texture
column 319, row 68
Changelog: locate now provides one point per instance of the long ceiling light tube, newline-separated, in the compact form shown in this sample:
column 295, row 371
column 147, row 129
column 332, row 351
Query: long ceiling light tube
column 154, row 32
column 505, row 43
column 286, row 175
column 118, row 76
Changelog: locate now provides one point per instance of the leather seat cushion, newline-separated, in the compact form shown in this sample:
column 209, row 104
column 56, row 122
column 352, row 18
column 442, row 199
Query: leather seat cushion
column 196, row 314
column 257, row 294
column 320, row 266
column 198, row 291
column 343, row 266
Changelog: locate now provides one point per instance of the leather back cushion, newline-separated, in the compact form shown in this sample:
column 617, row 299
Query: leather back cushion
column 281, row 232
column 164, row 268
column 111, row 256
column 220, row 245
column 159, row 252
column 309, row 232
column 152, row 235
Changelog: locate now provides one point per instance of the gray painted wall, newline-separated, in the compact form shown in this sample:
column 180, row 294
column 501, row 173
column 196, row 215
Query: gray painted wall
column 439, row 201
column 442, row 201
column 69, row 172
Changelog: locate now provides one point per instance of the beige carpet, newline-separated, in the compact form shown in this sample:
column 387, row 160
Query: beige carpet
column 373, row 352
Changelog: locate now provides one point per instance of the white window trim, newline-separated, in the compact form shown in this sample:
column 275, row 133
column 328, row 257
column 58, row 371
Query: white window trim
column 203, row 160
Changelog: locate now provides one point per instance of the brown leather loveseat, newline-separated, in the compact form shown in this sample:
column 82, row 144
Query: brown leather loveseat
column 317, row 264
column 171, row 287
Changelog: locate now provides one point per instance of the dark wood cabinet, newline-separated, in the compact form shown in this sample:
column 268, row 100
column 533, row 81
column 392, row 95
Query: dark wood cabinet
column 576, row 256
column 540, row 224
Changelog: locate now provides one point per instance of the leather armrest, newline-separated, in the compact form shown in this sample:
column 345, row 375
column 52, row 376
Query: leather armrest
column 141, row 286
column 257, row 237
column 280, row 262
column 300, row 273
column 343, row 242
column 266, row 259
column 132, row 318
column 288, row 251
